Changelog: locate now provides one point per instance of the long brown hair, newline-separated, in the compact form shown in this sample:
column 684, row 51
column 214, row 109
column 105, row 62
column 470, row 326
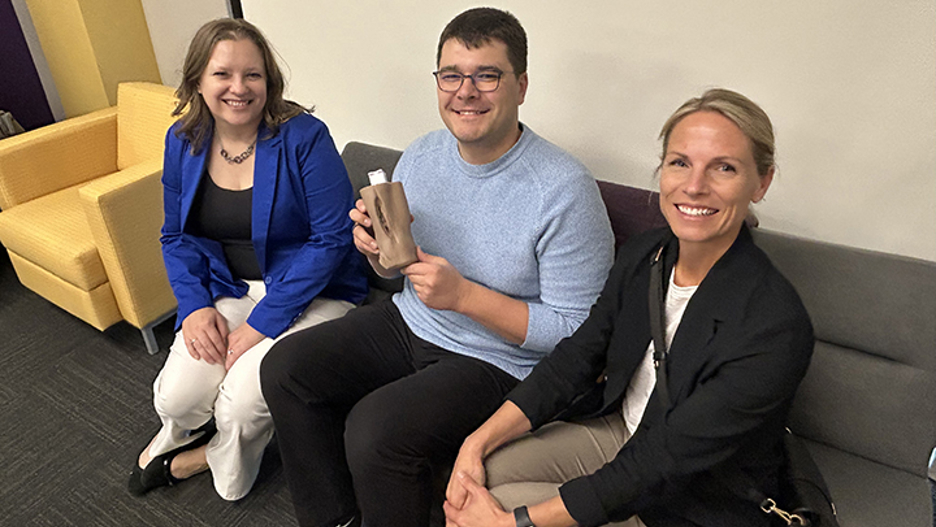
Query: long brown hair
column 196, row 121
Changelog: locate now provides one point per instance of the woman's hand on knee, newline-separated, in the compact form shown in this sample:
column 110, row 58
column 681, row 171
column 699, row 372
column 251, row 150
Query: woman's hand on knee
column 239, row 341
column 470, row 461
column 205, row 332
column 479, row 509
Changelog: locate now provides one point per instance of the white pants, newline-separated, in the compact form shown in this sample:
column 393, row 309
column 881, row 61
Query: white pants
column 188, row 392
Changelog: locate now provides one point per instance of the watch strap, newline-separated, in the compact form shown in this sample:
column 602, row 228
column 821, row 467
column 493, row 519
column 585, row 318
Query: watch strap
column 523, row 517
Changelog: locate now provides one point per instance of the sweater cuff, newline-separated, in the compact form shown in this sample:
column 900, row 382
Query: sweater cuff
column 583, row 503
column 542, row 334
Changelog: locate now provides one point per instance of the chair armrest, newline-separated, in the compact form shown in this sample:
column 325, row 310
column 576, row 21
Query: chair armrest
column 57, row 156
column 125, row 212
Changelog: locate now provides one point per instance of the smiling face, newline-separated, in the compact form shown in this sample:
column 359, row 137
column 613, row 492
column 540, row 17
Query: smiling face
column 233, row 84
column 707, row 179
column 486, row 124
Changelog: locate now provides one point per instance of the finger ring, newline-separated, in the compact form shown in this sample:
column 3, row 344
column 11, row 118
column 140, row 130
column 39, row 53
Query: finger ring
column 230, row 352
column 193, row 341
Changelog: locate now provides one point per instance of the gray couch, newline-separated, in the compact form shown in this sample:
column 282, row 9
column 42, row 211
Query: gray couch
column 867, row 408
column 868, row 404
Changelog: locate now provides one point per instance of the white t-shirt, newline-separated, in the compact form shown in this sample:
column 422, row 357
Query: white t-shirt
column 644, row 379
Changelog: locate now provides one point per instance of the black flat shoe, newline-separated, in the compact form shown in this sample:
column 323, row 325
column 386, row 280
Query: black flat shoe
column 158, row 471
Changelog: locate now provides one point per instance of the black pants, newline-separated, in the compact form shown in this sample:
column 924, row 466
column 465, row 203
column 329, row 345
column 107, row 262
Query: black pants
column 363, row 409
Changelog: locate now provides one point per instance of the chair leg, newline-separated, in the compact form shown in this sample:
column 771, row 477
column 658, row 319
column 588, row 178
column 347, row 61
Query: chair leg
column 150, row 339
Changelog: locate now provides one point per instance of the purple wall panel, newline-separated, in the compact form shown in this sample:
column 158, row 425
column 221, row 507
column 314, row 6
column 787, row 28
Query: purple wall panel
column 20, row 88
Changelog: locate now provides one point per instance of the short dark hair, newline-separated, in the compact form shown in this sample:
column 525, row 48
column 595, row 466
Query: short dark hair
column 477, row 27
column 196, row 120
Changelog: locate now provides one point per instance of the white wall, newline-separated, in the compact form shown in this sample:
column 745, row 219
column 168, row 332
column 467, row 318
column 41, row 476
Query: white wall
column 851, row 87
column 172, row 24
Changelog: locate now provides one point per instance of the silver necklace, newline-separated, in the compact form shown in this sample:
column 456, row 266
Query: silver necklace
column 238, row 159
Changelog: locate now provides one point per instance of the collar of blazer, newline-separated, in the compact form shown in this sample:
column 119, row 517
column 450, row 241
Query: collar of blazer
column 266, row 174
column 719, row 298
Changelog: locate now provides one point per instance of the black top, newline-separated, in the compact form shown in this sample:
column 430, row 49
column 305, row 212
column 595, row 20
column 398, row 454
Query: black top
column 224, row 216
column 740, row 351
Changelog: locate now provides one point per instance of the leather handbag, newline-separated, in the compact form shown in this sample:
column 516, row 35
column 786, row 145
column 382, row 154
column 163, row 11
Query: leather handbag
column 804, row 496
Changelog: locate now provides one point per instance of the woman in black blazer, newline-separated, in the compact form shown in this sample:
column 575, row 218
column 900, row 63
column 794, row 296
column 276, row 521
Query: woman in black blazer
column 739, row 343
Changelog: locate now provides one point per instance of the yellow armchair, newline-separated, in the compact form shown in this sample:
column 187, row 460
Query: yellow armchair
column 81, row 208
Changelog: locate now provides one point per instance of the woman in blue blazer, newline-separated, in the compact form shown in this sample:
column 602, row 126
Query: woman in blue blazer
column 739, row 343
column 257, row 244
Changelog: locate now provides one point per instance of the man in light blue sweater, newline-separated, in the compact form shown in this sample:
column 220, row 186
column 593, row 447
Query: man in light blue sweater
column 514, row 247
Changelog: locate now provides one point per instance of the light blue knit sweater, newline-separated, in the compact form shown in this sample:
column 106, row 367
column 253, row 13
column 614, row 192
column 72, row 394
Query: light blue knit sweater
column 530, row 225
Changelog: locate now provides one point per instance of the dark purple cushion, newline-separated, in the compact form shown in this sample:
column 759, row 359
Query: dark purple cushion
column 631, row 210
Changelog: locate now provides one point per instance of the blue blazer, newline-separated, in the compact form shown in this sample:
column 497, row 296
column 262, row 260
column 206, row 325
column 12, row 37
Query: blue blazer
column 300, row 227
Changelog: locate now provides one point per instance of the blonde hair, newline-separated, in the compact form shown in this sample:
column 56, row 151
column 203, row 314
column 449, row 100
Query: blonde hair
column 743, row 112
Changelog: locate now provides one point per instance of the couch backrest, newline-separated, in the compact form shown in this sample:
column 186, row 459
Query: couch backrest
column 631, row 210
column 871, row 387
column 361, row 158
column 144, row 113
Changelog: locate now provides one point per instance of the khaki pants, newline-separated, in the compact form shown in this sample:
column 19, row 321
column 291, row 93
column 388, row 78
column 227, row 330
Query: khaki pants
column 188, row 392
column 531, row 469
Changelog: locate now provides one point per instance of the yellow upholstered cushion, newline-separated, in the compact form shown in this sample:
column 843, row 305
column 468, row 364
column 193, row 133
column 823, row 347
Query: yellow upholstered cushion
column 52, row 233
column 125, row 211
column 96, row 307
column 57, row 156
column 144, row 113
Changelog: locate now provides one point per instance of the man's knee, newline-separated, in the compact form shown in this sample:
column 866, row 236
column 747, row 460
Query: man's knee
column 273, row 368
column 377, row 435
column 279, row 364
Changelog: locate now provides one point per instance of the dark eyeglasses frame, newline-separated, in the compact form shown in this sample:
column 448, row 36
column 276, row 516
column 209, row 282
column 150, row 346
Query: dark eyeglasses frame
column 474, row 81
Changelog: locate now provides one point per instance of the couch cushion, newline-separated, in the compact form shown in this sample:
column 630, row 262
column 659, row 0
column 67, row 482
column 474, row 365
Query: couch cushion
column 876, row 302
column 52, row 233
column 144, row 113
column 631, row 210
column 870, row 494
column 871, row 388
column 96, row 307
column 868, row 405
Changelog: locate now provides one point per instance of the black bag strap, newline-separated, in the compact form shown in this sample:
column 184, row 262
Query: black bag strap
column 657, row 323
column 657, row 304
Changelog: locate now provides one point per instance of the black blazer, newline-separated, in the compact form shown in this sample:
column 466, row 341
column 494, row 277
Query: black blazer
column 741, row 349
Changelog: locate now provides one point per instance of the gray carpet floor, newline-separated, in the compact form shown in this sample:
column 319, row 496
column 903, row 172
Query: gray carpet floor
column 76, row 409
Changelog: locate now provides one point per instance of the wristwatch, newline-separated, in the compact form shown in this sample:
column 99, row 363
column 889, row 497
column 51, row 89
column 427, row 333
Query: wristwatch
column 523, row 517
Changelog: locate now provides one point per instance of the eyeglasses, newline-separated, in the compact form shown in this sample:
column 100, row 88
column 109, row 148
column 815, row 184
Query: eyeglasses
column 484, row 81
